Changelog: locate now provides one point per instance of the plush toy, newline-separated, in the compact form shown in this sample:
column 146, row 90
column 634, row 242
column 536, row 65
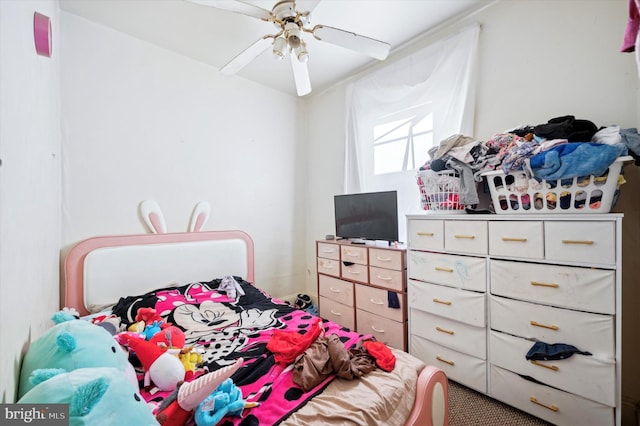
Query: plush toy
column 73, row 344
column 160, row 367
column 96, row 396
column 224, row 401
column 177, row 408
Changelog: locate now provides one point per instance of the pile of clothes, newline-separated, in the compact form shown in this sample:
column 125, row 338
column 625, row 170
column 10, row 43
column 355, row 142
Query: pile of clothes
column 563, row 148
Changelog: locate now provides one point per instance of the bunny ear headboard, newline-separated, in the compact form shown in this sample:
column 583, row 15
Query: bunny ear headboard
column 100, row 270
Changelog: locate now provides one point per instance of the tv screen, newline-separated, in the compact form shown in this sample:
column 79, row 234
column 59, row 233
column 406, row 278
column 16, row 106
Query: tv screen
column 369, row 215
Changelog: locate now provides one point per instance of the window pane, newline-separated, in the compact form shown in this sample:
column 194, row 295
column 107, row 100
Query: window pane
column 421, row 145
column 425, row 125
column 388, row 157
column 388, row 131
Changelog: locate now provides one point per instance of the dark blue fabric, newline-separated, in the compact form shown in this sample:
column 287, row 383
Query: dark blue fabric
column 392, row 300
column 544, row 351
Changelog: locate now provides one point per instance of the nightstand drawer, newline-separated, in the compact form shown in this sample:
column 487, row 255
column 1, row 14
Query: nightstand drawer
column 586, row 331
column 586, row 289
column 465, row 369
column 426, row 234
column 354, row 254
column 355, row 272
column 328, row 266
column 383, row 329
column 335, row 289
column 452, row 334
column 329, row 251
column 386, row 278
column 466, row 236
column 376, row 301
column 591, row 243
column 583, row 375
column 337, row 312
column 460, row 305
column 523, row 239
column 387, row 259
column 446, row 269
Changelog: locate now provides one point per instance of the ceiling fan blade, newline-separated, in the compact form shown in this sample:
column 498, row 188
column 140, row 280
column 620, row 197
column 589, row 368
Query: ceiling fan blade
column 368, row 46
column 247, row 55
column 301, row 76
column 238, row 7
column 306, row 5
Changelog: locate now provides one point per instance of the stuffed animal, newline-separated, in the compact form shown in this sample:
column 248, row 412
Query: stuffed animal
column 178, row 407
column 73, row 344
column 160, row 367
column 96, row 396
column 224, row 401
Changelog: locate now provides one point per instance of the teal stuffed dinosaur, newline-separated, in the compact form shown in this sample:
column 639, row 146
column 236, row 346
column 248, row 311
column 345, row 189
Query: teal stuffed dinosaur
column 96, row 396
column 73, row 344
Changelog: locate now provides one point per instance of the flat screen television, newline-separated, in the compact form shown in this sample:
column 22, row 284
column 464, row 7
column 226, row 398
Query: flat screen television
column 368, row 215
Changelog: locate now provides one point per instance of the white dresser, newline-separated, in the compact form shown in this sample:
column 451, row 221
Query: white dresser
column 483, row 288
column 362, row 287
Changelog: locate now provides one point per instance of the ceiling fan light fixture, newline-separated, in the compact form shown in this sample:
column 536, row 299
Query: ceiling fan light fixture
column 292, row 34
column 279, row 48
column 301, row 52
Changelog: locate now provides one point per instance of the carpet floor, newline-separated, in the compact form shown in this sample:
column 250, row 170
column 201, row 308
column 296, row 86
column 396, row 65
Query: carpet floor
column 470, row 408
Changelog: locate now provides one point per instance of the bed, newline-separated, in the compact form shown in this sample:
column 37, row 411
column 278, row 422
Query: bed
column 179, row 274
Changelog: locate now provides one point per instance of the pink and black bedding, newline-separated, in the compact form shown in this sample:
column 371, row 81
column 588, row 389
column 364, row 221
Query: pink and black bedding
column 224, row 329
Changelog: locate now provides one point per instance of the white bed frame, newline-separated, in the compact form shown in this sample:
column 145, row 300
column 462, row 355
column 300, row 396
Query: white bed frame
column 97, row 271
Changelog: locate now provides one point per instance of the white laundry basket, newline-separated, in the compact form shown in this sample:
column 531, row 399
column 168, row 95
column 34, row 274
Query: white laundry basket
column 440, row 191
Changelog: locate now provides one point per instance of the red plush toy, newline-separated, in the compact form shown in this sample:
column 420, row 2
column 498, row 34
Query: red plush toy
column 148, row 315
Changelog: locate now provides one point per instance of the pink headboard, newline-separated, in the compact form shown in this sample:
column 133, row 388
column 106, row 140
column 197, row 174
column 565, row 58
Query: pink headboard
column 100, row 270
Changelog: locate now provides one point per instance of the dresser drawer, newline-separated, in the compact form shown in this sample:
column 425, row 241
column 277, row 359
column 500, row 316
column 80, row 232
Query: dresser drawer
column 448, row 269
column 335, row 289
column 425, row 234
column 521, row 239
column 329, row 251
column 465, row 369
column 376, row 301
column 383, row 329
column 553, row 405
column 460, row 305
column 452, row 334
column 388, row 259
column 337, row 312
column 583, row 375
column 386, row 278
column 466, row 236
column 329, row 266
column 355, row 272
column 585, row 289
column 354, row 254
column 586, row 331
column 591, row 243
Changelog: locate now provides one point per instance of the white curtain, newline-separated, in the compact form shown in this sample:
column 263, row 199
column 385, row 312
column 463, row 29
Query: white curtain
column 441, row 77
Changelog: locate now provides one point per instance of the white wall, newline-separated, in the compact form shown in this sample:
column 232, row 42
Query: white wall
column 538, row 59
column 29, row 184
column 141, row 122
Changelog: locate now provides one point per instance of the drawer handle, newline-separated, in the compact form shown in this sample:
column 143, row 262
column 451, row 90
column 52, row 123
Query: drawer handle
column 384, row 278
column 335, row 290
column 327, row 266
column 549, row 407
column 440, row 268
column 425, row 234
column 539, row 364
column 352, row 254
column 587, row 242
column 550, row 327
column 444, row 302
column 467, row 237
column 336, row 313
column 517, row 240
column 444, row 330
column 328, row 250
column 383, row 259
column 376, row 302
column 376, row 330
column 353, row 272
column 439, row 358
column 539, row 284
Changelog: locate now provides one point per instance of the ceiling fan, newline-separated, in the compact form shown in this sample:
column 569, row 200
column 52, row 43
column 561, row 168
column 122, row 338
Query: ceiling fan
column 291, row 22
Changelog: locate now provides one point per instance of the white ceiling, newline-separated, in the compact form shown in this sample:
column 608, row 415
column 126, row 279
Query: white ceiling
column 215, row 36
